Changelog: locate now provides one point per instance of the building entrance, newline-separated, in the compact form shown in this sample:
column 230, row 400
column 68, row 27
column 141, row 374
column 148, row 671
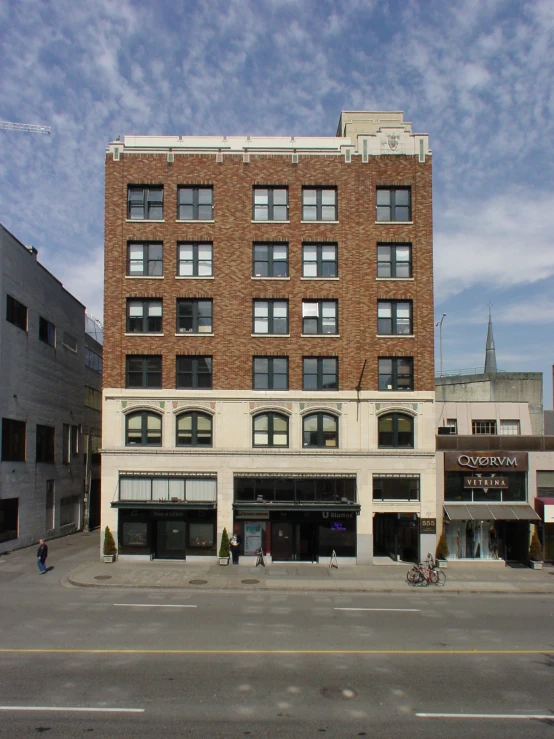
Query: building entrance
column 171, row 540
column 294, row 542
column 396, row 535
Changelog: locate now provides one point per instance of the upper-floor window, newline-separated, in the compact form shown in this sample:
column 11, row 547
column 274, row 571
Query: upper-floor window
column 143, row 429
column 195, row 259
column 145, row 203
column 320, row 373
column 69, row 341
column 13, row 440
column 194, row 429
column 395, row 487
column 396, row 373
column 270, row 429
column 319, row 204
column 394, row 317
column 194, row 372
column 320, row 430
column 144, row 316
column 145, row 259
column 319, row 317
column 394, row 204
column 271, row 317
column 270, row 204
column 16, row 313
column 452, row 426
column 394, row 260
column 270, row 373
column 45, row 443
column 396, row 431
column 194, row 316
column 144, row 371
column 270, row 260
column 509, row 427
column 93, row 360
column 319, row 260
column 195, row 203
column 93, row 398
column 483, row 427
column 46, row 331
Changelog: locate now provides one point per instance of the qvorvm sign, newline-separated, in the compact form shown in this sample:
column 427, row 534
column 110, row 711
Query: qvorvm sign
column 485, row 462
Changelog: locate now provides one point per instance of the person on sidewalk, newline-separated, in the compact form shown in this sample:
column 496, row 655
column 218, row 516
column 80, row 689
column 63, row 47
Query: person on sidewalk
column 42, row 553
column 234, row 544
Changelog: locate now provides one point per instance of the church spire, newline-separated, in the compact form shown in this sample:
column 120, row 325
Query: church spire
column 490, row 352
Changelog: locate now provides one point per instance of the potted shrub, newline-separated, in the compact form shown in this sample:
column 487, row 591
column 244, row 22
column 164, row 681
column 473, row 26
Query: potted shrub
column 535, row 552
column 110, row 549
column 442, row 552
column 224, row 548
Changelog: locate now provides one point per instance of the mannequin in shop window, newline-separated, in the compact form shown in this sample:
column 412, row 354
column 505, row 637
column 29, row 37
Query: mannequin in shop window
column 469, row 540
column 493, row 542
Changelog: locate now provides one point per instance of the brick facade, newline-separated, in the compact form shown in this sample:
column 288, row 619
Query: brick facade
column 232, row 288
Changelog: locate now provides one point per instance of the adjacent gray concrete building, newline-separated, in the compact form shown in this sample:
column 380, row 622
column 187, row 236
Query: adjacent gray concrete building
column 42, row 366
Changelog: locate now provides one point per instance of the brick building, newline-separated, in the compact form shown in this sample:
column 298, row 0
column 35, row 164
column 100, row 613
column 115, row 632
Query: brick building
column 268, row 343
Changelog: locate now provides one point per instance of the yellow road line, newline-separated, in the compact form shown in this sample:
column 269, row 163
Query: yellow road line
column 316, row 652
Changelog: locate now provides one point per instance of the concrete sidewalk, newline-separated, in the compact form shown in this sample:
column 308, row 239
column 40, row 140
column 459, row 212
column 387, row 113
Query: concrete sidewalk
column 306, row 577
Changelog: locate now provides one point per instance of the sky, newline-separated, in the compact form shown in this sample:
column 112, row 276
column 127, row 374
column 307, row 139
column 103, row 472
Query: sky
column 476, row 75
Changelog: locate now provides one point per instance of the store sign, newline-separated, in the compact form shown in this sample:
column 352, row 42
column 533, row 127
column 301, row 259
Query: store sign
column 486, row 462
column 428, row 526
column 253, row 515
column 486, row 482
column 331, row 514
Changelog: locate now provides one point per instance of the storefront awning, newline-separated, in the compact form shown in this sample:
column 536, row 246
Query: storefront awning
column 484, row 512
column 182, row 506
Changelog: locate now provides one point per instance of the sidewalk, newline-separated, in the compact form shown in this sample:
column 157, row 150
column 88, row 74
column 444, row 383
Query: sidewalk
column 306, row 577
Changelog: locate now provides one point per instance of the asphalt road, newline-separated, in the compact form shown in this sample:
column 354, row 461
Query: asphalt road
column 207, row 664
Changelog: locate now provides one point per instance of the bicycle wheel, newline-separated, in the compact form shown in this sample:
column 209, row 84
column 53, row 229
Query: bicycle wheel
column 441, row 580
column 434, row 577
column 413, row 577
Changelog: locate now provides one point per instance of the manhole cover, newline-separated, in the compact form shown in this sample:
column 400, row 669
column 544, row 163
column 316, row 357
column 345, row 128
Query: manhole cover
column 335, row 693
column 250, row 582
column 102, row 577
column 197, row 582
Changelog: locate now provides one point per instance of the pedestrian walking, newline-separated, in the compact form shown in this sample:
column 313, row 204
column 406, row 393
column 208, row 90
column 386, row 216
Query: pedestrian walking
column 42, row 553
column 234, row 544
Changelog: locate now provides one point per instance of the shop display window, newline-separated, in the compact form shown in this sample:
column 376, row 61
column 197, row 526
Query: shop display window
column 475, row 539
column 201, row 535
column 135, row 534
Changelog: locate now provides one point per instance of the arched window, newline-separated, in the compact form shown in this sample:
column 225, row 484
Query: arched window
column 143, row 429
column 396, row 431
column 194, row 429
column 271, row 429
column 321, row 430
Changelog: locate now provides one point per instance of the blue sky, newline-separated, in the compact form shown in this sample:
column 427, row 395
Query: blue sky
column 476, row 75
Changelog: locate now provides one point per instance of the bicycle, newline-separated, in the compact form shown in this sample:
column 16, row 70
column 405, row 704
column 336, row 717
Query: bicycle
column 425, row 573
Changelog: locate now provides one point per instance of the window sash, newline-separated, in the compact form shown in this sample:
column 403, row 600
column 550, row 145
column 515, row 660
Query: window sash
column 320, row 317
column 144, row 316
column 145, row 259
column 319, row 204
column 319, row 260
column 270, row 430
column 320, row 430
column 270, row 204
column 195, row 259
column 194, row 316
column 16, row 313
column 270, row 260
column 394, row 317
column 396, row 373
column 394, row 260
column 193, row 429
column 195, row 203
column 396, row 431
column 270, row 317
column 320, row 373
column 270, row 373
column 144, row 371
column 145, row 203
column 394, row 204
column 194, row 372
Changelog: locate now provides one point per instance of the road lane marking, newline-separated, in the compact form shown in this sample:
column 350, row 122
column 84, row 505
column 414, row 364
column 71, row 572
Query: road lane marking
column 153, row 605
column 395, row 610
column 316, row 652
column 72, row 709
column 517, row 716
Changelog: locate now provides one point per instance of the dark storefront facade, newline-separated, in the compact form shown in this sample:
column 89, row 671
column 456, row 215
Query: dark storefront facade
column 296, row 518
column 487, row 515
column 166, row 516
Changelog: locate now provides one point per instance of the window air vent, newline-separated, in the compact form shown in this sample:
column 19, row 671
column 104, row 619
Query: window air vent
column 170, row 157
column 295, row 158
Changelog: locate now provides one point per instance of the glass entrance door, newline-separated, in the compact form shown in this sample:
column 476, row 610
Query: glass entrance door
column 281, row 541
column 171, row 540
column 305, row 549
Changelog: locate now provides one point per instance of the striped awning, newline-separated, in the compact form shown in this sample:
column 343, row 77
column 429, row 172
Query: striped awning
column 490, row 512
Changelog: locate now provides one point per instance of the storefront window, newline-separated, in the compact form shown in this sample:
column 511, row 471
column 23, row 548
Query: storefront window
column 338, row 535
column 134, row 534
column 393, row 487
column 295, row 490
column 475, row 539
column 201, row 535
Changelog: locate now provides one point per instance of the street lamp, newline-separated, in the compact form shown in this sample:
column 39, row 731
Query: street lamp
column 439, row 324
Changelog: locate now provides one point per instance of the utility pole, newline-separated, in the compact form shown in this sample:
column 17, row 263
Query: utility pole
column 439, row 324
column 29, row 127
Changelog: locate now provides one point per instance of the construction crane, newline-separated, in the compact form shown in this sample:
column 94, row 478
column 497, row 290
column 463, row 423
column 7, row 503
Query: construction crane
column 30, row 127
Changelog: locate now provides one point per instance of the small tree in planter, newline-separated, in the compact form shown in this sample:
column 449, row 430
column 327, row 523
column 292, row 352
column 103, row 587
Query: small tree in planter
column 110, row 549
column 224, row 548
column 535, row 552
column 442, row 550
